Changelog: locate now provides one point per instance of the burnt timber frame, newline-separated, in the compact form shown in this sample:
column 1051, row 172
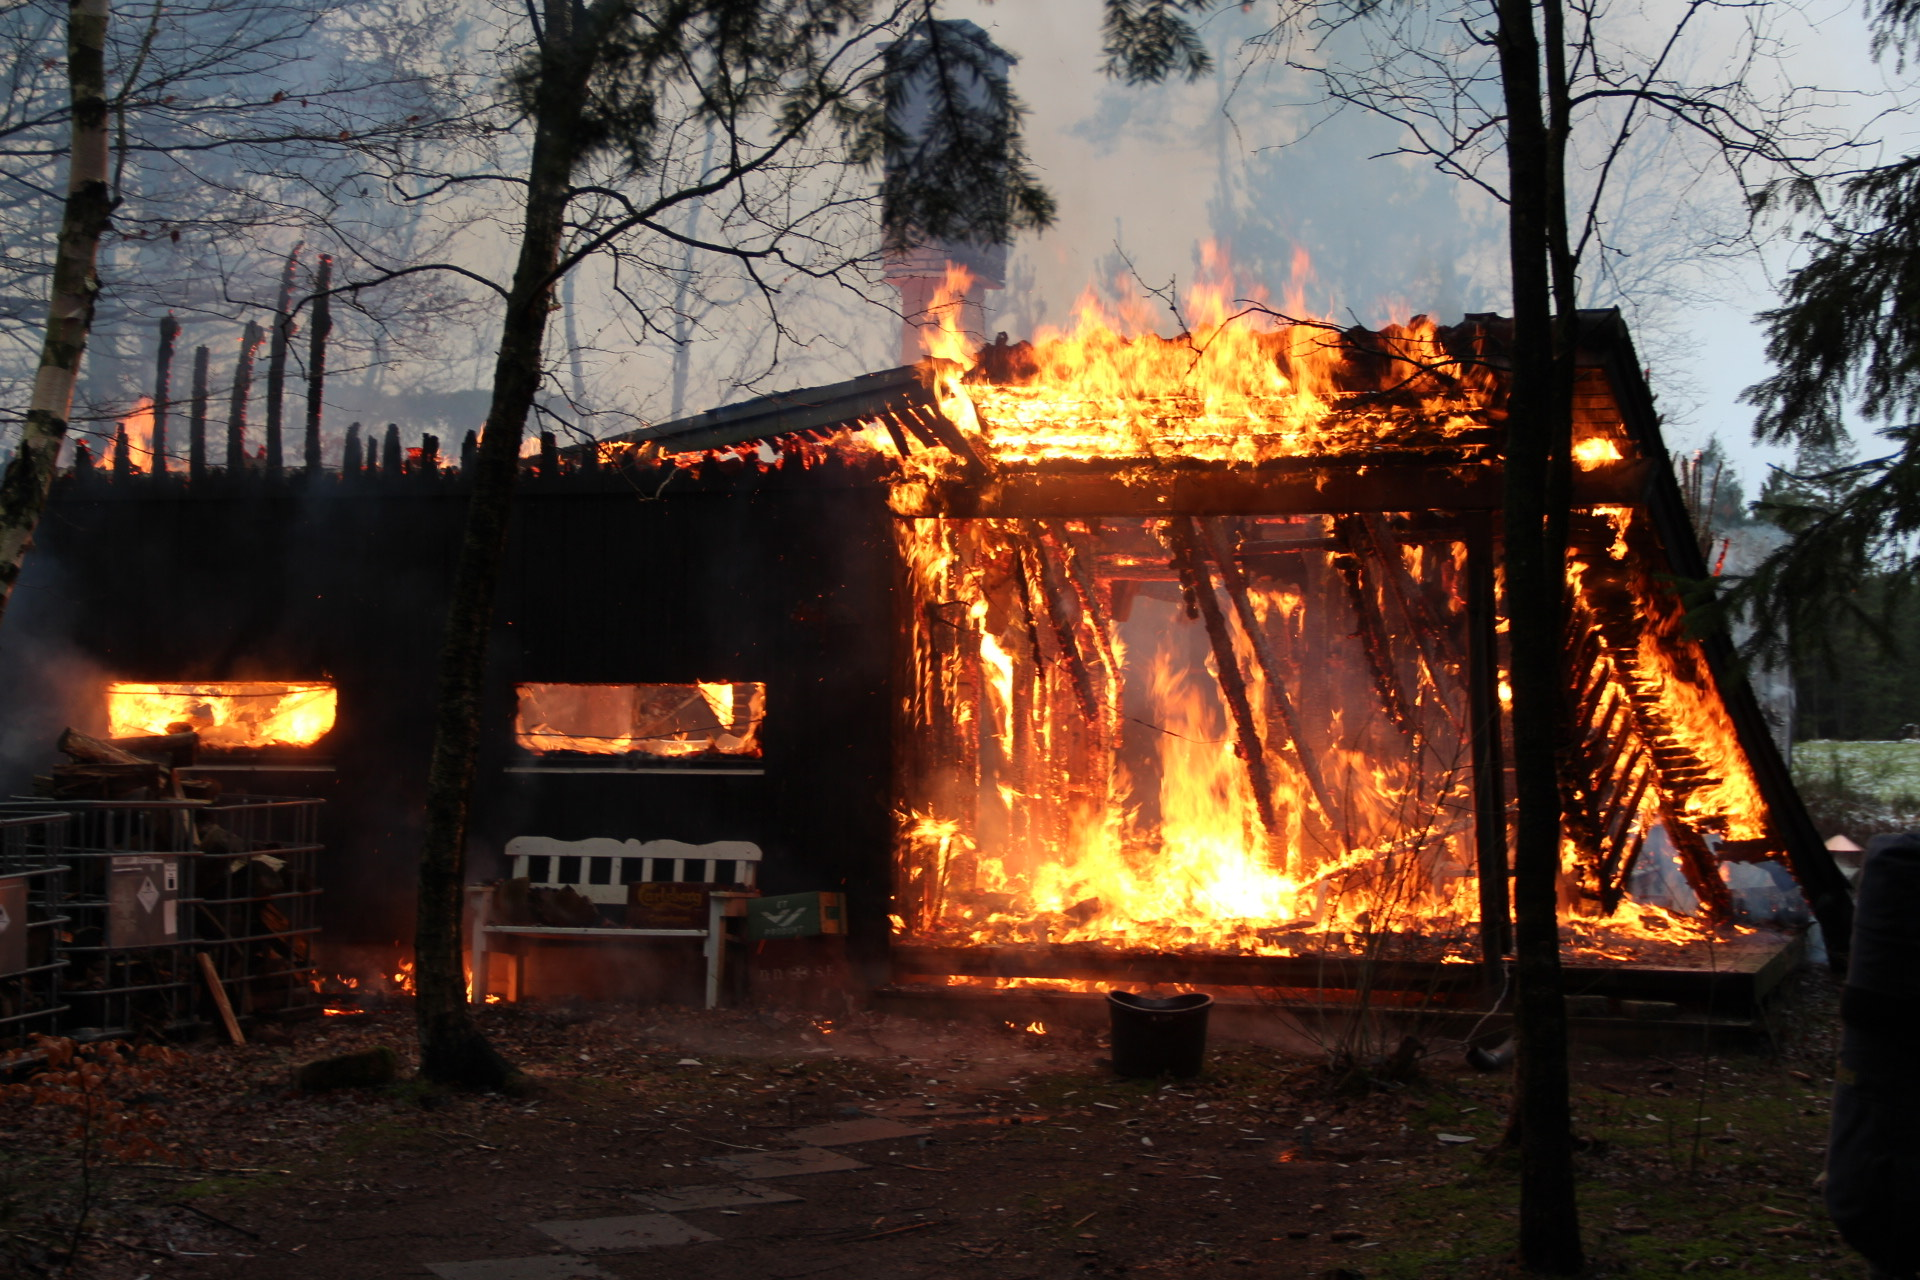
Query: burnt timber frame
column 1466, row 480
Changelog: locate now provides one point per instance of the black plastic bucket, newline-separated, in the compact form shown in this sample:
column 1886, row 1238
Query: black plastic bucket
column 1158, row 1035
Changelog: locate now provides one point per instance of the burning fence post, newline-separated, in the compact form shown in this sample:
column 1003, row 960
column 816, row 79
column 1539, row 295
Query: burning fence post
column 197, row 420
column 350, row 461
column 317, row 359
column 390, row 455
column 163, row 390
column 277, row 362
column 242, row 389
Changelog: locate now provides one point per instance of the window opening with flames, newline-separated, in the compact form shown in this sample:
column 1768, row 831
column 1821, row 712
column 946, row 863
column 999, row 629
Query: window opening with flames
column 227, row 714
column 708, row 718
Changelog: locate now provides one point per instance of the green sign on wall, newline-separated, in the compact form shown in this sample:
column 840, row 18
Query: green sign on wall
column 796, row 915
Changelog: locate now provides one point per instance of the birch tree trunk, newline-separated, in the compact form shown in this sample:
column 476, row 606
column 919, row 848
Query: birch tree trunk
column 452, row 1048
column 89, row 204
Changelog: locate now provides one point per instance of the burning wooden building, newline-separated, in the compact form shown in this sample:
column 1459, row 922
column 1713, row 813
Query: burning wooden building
column 1085, row 660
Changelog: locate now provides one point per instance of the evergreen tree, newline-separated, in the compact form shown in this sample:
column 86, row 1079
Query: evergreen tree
column 1846, row 340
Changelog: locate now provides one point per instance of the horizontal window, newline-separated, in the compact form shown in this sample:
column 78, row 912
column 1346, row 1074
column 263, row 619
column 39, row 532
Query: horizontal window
column 225, row 713
column 709, row 718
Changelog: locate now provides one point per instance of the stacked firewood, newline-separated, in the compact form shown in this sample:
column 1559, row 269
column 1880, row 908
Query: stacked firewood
column 144, row 768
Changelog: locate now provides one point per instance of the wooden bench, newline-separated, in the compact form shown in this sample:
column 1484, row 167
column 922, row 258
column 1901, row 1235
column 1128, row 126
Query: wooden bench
column 600, row 869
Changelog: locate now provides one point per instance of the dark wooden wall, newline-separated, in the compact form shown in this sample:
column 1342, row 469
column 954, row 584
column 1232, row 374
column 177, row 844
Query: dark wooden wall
column 780, row 578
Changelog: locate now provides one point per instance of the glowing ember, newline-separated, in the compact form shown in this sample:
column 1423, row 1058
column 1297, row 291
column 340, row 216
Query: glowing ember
column 707, row 718
column 401, row 981
column 1594, row 452
column 225, row 713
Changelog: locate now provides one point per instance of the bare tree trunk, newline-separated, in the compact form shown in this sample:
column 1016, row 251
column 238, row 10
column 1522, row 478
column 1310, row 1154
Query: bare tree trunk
column 1549, row 1213
column 277, row 364
column 317, row 360
column 452, row 1049
column 163, row 390
column 89, row 204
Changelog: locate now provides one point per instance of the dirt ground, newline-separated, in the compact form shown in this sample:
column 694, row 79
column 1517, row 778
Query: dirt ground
column 1035, row 1162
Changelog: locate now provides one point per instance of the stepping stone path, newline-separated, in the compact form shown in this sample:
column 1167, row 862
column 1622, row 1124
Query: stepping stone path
column 550, row 1267
column 730, row 1195
column 635, row 1233
column 785, row 1164
column 845, row 1133
column 623, row 1235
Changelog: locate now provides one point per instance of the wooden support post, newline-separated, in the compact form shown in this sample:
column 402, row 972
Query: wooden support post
column 1375, row 639
column 277, row 363
column 1697, row 863
column 317, row 360
column 1429, row 637
column 1280, row 712
column 351, row 461
column 163, row 391
column 390, row 456
column 1033, row 551
column 1486, row 743
column 197, row 420
column 219, row 993
column 1233, row 685
column 242, row 391
column 936, row 425
column 1614, row 869
column 1080, row 573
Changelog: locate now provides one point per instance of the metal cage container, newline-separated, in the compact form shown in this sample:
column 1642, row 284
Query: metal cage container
column 255, row 898
column 31, row 959
column 152, row 883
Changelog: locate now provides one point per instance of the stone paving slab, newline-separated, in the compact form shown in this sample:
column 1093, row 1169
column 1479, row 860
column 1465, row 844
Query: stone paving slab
column 618, row 1235
column 844, row 1133
column 552, row 1266
column 726, row 1195
column 785, row 1164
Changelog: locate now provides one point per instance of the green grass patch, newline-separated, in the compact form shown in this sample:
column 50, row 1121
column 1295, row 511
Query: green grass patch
column 1888, row 772
column 1691, row 1169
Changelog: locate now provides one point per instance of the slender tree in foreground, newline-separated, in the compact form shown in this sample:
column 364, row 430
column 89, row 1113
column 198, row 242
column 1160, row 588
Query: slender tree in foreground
column 89, row 205
column 1430, row 74
column 606, row 80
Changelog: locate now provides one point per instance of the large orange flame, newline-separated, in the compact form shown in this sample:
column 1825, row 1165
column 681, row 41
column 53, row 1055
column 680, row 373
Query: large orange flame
column 1085, row 772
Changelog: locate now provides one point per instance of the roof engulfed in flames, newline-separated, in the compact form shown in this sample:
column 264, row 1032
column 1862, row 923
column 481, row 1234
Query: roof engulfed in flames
column 1243, row 384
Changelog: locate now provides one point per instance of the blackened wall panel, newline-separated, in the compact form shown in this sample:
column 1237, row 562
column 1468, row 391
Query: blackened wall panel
column 777, row 578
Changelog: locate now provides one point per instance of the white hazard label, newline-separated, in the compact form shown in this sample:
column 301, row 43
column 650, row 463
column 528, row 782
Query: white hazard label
column 148, row 895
